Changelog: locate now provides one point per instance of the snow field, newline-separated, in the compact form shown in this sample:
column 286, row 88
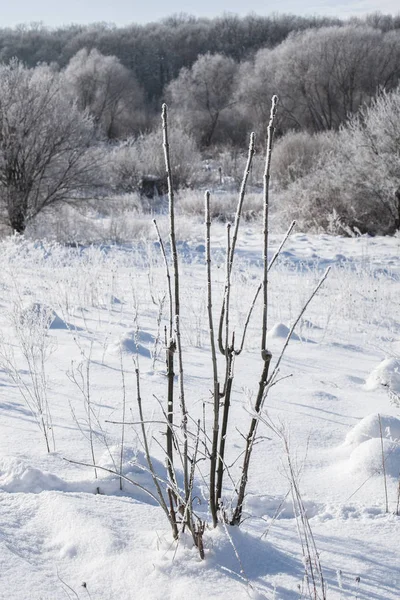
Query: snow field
column 106, row 308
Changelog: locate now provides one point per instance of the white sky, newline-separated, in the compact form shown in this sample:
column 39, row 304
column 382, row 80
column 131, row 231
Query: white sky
column 121, row 12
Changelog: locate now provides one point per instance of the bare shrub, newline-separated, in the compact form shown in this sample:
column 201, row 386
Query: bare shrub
column 140, row 157
column 296, row 154
column 354, row 185
column 222, row 205
column 223, row 341
column 231, row 161
column 198, row 445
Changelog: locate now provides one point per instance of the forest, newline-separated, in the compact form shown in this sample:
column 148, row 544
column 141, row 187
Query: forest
column 80, row 114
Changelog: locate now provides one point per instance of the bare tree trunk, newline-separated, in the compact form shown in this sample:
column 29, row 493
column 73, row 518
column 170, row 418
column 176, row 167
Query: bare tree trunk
column 397, row 218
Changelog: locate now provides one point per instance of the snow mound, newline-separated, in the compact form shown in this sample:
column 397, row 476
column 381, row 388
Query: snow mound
column 133, row 342
column 365, row 438
column 42, row 315
column 368, row 428
column 387, row 373
column 18, row 476
column 281, row 331
column 367, row 457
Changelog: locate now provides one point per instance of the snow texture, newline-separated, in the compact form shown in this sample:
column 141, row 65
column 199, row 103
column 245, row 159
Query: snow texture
column 67, row 531
column 387, row 373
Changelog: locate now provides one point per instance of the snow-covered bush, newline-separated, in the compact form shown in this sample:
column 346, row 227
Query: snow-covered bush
column 321, row 76
column 296, row 154
column 356, row 183
column 369, row 169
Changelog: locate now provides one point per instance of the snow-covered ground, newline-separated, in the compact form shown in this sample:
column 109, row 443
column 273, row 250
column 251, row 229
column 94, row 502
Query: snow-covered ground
column 95, row 313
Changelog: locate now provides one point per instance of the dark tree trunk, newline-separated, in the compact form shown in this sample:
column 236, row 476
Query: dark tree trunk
column 18, row 226
column 397, row 219
column 16, row 215
column 210, row 133
column 16, row 196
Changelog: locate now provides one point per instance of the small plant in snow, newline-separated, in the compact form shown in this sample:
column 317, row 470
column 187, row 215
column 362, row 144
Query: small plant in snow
column 183, row 439
column 34, row 346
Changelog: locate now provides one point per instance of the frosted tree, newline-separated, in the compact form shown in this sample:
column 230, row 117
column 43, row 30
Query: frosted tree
column 46, row 154
column 108, row 90
column 204, row 94
column 321, row 76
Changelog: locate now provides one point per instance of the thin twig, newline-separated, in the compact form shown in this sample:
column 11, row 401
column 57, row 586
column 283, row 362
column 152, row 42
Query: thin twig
column 164, row 117
column 113, row 472
column 266, row 179
column 123, row 418
column 216, row 395
column 231, row 250
column 383, row 466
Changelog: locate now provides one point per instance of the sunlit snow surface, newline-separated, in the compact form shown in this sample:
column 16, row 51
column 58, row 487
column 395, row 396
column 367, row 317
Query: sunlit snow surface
column 61, row 539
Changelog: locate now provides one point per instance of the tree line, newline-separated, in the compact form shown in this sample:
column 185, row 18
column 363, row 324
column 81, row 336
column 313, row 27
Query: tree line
column 156, row 52
column 218, row 75
column 79, row 106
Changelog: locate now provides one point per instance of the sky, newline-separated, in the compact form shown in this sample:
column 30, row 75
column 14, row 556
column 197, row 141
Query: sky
column 122, row 12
